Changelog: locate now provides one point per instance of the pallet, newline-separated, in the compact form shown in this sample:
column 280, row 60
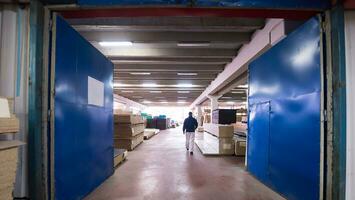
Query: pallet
column 120, row 155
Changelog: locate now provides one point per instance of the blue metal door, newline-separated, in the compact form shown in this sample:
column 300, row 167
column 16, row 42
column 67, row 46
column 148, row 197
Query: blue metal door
column 259, row 116
column 83, row 112
column 288, row 76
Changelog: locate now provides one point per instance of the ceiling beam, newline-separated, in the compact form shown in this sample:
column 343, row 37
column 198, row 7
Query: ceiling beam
column 197, row 24
column 208, row 68
column 141, row 37
column 163, row 77
column 169, row 52
column 169, row 61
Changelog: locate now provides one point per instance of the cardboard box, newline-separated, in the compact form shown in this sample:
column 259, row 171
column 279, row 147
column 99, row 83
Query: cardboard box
column 8, row 167
column 128, row 144
column 9, row 125
column 127, row 130
column 222, row 131
column 128, row 119
column 240, row 148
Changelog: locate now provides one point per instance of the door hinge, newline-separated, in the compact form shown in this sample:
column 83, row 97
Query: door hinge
column 49, row 113
column 50, row 25
column 325, row 115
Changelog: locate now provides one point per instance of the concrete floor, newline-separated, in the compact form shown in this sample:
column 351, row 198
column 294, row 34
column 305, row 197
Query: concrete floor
column 160, row 168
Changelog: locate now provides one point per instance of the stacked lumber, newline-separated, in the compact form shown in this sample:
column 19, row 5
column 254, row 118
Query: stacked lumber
column 9, row 124
column 119, row 156
column 128, row 131
column 150, row 132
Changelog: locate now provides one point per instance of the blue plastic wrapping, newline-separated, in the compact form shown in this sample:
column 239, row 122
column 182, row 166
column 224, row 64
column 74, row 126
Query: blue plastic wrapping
column 83, row 138
column 284, row 119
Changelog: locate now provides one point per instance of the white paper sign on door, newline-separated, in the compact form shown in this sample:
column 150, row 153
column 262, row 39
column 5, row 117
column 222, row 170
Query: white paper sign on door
column 95, row 92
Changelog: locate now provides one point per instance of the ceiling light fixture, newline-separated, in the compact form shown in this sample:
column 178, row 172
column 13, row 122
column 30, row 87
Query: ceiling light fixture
column 127, row 91
column 193, row 44
column 164, row 102
column 181, row 102
column 149, row 85
column 155, row 91
column 183, row 92
column 186, row 85
column 147, row 102
column 118, row 84
column 186, row 74
column 116, row 44
column 230, row 102
column 140, row 73
column 243, row 86
column 226, row 97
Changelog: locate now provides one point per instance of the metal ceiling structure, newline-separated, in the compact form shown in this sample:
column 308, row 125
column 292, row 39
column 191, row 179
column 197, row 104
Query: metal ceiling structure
column 167, row 59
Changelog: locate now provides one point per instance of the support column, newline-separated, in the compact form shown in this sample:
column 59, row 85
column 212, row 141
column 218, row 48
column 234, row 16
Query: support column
column 199, row 115
column 214, row 102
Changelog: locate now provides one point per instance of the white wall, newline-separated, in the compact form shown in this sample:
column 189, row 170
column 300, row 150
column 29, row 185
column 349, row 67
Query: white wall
column 350, row 98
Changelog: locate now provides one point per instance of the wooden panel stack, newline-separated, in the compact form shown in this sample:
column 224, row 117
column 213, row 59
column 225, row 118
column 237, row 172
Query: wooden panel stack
column 129, row 130
column 9, row 124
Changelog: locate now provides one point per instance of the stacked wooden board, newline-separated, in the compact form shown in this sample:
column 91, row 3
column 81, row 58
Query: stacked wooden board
column 217, row 140
column 129, row 130
column 9, row 124
column 150, row 132
column 119, row 156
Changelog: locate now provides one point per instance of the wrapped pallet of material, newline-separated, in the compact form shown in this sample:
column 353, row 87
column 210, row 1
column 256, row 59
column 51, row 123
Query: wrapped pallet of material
column 150, row 132
column 219, row 130
column 8, row 121
column 129, row 143
column 128, row 130
column 128, row 119
column 8, row 166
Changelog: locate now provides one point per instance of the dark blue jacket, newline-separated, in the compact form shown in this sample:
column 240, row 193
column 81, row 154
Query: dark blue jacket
column 190, row 125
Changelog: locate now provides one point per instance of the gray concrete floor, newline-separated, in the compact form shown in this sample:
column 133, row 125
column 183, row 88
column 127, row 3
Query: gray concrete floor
column 160, row 168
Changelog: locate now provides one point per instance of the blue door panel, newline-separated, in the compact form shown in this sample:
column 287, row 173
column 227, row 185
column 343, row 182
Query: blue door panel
column 288, row 76
column 83, row 144
column 259, row 116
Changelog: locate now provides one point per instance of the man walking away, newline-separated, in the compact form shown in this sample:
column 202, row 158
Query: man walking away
column 190, row 125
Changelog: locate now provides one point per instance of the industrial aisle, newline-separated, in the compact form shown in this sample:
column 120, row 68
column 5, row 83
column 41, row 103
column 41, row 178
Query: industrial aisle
column 160, row 168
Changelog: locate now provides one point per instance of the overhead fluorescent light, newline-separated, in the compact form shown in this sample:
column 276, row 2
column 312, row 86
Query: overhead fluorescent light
column 226, row 97
column 116, row 44
column 160, row 97
column 118, row 84
column 185, row 85
column 230, row 102
column 181, row 102
column 243, row 86
column 238, row 92
column 147, row 102
column 155, row 91
column 127, row 91
column 183, row 92
column 140, row 73
column 149, row 85
column 193, row 44
column 186, row 74
column 182, row 97
column 164, row 102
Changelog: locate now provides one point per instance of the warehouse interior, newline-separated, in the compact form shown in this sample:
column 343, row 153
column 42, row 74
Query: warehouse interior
column 94, row 96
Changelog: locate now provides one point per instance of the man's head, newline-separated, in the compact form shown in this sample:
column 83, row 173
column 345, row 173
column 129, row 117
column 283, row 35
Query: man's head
column 190, row 114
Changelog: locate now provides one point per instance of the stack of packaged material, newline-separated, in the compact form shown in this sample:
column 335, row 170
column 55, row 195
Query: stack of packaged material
column 129, row 130
column 9, row 124
column 119, row 155
column 150, row 132
column 217, row 140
